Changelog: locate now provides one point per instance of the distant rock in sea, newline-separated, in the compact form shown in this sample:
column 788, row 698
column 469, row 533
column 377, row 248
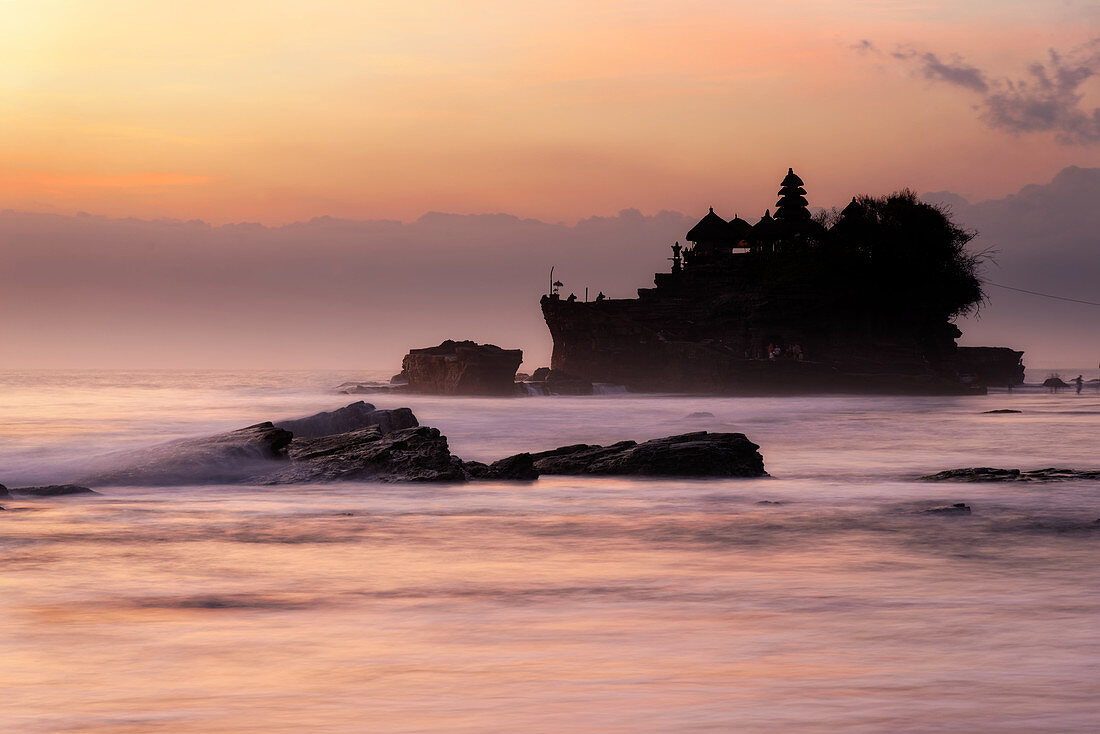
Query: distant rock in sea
column 1002, row 410
column 988, row 474
column 53, row 490
column 959, row 508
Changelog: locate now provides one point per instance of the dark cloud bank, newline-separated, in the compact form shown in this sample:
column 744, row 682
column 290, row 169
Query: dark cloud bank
column 87, row 291
column 1048, row 98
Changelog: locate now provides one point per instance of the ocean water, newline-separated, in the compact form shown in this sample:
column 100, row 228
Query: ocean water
column 564, row 605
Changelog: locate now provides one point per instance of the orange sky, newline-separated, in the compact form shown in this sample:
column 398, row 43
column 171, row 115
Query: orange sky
column 277, row 111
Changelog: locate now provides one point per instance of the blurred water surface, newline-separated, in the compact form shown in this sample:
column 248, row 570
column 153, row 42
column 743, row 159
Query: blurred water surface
column 565, row 605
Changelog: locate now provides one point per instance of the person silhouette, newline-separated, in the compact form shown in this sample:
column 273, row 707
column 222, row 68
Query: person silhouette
column 601, row 296
column 1079, row 381
column 572, row 297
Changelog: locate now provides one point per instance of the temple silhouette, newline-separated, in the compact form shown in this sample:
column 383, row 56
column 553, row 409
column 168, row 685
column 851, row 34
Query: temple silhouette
column 860, row 300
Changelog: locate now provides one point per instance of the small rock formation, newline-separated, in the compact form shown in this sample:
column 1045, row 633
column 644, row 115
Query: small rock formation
column 350, row 418
column 1002, row 410
column 462, row 368
column 959, row 508
column 557, row 382
column 698, row 454
column 1055, row 383
column 699, row 414
column 4, row 491
column 53, row 490
column 988, row 474
column 226, row 457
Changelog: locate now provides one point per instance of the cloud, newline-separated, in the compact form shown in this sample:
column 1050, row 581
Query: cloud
column 1047, row 100
column 957, row 72
column 866, row 47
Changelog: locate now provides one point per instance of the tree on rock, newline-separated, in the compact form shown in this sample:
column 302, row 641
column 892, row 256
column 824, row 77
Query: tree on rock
column 907, row 255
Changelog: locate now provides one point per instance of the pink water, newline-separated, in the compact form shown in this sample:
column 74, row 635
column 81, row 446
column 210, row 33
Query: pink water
column 567, row 605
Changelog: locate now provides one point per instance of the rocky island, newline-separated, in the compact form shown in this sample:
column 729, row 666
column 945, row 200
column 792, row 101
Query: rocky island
column 858, row 300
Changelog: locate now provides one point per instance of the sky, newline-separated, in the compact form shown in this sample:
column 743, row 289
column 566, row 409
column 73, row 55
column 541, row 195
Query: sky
column 192, row 184
column 274, row 111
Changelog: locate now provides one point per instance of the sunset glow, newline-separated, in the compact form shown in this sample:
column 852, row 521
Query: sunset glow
column 280, row 111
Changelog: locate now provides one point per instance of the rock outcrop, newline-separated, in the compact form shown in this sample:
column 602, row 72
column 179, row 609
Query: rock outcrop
column 234, row 456
column 359, row 442
column 349, row 418
column 790, row 306
column 462, row 368
column 699, row 454
column 989, row 474
column 417, row 454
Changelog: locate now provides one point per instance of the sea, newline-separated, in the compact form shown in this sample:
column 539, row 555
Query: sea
column 821, row 598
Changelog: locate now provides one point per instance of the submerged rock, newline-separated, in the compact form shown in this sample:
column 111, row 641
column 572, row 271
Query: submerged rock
column 349, row 418
column 1052, row 474
column 699, row 454
column 1002, row 410
column 462, row 368
column 362, row 388
column 234, row 456
column 975, row 474
column 53, row 490
column 698, row 414
column 987, row 474
column 959, row 508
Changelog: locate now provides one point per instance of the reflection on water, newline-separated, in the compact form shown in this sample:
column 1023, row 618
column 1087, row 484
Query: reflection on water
column 568, row 604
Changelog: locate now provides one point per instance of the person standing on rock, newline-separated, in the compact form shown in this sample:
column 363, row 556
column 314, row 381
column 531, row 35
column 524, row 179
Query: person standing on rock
column 1079, row 381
